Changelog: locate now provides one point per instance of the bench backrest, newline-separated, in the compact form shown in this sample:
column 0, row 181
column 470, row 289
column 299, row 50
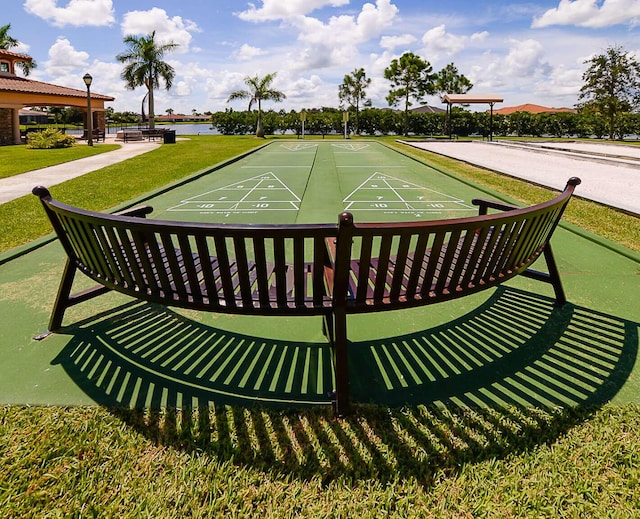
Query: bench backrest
column 261, row 269
column 392, row 265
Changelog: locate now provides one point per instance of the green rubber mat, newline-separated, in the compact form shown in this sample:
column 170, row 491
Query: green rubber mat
column 505, row 346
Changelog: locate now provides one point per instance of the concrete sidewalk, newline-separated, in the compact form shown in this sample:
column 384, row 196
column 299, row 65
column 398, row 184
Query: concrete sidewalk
column 21, row 185
column 610, row 176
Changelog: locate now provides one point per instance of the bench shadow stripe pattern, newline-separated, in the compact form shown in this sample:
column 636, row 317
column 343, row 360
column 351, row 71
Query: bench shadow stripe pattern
column 515, row 349
column 326, row 270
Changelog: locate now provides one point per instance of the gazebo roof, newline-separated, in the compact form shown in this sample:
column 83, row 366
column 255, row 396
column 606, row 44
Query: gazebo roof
column 471, row 98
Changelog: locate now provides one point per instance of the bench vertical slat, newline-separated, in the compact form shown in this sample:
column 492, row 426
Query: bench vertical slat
column 242, row 270
column 320, row 261
column 447, row 261
column 261, row 270
column 189, row 266
column 95, row 249
column 534, row 231
column 519, row 227
column 299, row 272
column 469, row 277
column 382, row 267
column 399, row 281
column 364, row 264
column 207, row 267
column 462, row 258
column 131, row 258
column 75, row 236
column 417, row 264
column 149, row 279
column 108, row 254
column 123, row 269
column 174, row 261
column 505, row 246
column 280, row 271
column 487, row 252
column 431, row 265
column 224, row 267
column 492, row 266
column 120, row 275
column 161, row 266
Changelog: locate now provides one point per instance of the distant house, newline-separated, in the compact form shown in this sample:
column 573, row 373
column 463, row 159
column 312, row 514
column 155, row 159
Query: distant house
column 33, row 117
column 533, row 109
column 426, row 109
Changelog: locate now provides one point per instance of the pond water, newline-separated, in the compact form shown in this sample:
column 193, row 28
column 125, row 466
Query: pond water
column 181, row 129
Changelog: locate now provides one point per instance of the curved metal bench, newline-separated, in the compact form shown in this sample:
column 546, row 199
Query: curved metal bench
column 318, row 269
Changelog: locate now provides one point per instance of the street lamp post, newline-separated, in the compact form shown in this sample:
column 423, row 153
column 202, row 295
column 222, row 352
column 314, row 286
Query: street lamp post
column 87, row 81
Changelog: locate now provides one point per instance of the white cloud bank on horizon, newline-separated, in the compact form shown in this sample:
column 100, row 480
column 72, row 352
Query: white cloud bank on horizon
column 591, row 13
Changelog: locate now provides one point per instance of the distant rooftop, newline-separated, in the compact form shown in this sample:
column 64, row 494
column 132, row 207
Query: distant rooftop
column 532, row 109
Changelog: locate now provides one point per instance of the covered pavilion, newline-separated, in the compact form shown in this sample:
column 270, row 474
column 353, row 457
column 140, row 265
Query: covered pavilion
column 17, row 92
column 464, row 99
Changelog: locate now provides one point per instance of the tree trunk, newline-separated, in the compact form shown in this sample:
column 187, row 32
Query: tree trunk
column 152, row 112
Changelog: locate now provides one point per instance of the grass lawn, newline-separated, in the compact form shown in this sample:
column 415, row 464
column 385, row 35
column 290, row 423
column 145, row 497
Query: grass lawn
column 252, row 462
column 20, row 159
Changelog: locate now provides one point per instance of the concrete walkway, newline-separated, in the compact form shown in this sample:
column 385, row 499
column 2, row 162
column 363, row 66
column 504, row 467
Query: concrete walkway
column 21, row 185
column 610, row 173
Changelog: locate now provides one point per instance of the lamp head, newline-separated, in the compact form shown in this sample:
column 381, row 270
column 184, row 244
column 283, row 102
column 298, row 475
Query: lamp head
column 87, row 79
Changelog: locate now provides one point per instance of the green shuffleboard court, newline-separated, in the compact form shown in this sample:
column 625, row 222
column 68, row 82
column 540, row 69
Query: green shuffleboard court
column 311, row 182
column 508, row 346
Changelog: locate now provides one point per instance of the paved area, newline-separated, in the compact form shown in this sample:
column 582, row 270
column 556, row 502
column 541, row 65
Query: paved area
column 610, row 173
column 21, row 185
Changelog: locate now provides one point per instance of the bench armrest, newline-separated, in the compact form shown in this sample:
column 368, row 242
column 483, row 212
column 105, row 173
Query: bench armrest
column 138, row 212
column 484, row 205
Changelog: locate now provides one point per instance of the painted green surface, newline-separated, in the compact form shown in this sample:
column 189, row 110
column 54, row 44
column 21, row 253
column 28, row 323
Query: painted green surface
column 502, row 346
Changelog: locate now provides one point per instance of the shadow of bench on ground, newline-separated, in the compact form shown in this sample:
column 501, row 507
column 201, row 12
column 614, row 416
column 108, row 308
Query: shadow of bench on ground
column 513, row 373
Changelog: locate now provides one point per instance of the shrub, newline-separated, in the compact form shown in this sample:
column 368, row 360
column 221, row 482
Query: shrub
column 49, row 138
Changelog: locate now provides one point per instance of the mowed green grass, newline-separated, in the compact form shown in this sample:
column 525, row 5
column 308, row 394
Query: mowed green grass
column 23, row 219
column 252, row 462
column 20, row 159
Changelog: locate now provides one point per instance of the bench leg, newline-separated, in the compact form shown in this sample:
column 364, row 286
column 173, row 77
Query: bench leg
column 62, row 299
column 341, row 365
column 553, row 277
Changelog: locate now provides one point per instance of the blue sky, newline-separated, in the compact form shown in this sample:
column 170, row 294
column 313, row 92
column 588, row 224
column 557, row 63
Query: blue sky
column 528, row 52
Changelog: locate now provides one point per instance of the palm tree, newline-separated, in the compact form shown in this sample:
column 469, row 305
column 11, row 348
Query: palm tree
column 9, row 42
column 145, row 66
column 259, row 90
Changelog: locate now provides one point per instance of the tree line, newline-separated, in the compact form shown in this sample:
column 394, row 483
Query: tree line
column 381, row 121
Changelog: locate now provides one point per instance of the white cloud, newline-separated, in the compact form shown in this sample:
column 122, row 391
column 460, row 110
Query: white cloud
column 590, row 13
column 77, row 12
column 64, row 58
column 439, row 42
column 175, row 29
column 392, row 42
column 336, row 42
column 282, row 10
column 478, row 37
column 525, row 59
column 247, row 52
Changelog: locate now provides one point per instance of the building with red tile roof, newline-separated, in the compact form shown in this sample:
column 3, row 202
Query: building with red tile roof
column 532, row 109
column 19, row 92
